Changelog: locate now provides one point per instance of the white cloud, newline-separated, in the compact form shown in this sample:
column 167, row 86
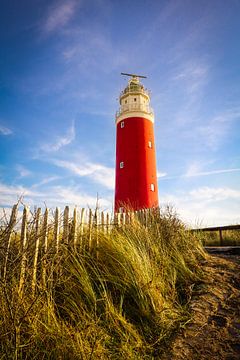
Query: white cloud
column 194, row 75
column 10, row 194
column 45, row 181
column 61, row 196
column 23, row 172
column 52, row 196
column 214, row 194
column 195, row 170
column 217, row 128
column 60, row 15
column 60, row 141
column 206, row 206
column 5, row 131
column 96, row 172
column 161, row 174
column 92, row 48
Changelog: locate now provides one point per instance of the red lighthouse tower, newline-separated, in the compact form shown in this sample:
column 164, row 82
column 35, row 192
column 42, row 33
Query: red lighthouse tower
column 136, row 173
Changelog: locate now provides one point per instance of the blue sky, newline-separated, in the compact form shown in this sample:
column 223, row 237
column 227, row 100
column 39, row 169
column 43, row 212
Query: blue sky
column 60, row 64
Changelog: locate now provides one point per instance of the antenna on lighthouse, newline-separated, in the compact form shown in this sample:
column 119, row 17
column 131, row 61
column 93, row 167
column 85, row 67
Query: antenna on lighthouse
column 134, row 75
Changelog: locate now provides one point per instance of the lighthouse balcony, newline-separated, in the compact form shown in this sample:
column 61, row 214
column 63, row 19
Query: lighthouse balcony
column 135, row 89
column 134, row 107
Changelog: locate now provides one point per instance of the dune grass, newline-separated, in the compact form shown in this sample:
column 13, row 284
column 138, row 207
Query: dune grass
column 229, row 238
column 122, row 301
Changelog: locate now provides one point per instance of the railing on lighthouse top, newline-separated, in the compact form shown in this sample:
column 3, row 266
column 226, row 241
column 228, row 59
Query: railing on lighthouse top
column 134, row 87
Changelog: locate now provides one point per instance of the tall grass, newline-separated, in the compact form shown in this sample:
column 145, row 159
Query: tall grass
column 122, row 301
column 229, row 238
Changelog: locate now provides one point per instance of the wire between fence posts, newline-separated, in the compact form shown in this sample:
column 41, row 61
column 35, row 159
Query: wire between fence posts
column 35, row 260
column 23, row 249
column 7, row 242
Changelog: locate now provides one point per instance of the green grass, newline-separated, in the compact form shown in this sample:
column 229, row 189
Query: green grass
column 229, row 238
column 122, row 301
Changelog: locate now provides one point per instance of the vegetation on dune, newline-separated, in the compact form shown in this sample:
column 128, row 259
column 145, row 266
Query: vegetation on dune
column 122, row 301
column 229, row 238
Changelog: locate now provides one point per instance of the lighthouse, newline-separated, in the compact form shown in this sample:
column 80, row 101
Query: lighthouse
column 136, row 172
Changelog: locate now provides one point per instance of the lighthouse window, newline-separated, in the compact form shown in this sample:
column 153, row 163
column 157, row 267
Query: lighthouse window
column 122, row 124
column 121, row 164
column 150, row 144
column 125, row 101
column 152, row 187
column 135, row 99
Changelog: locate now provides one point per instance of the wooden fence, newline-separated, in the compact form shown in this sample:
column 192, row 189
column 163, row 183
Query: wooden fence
column 218, row 229
column 30, row 242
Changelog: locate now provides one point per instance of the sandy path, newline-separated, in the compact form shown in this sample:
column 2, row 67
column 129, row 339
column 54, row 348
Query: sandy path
column 214, row 332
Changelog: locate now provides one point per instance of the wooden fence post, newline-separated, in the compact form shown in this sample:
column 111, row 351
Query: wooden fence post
column 103, row 229
column 74, row 229
column 123, row 219
column 90, row 223
column 220, row 237
column 56, row 229
column 7, row 242
column 82, row 246
column 108, row 223
column 35, row 260
column 23, row 250
column 96, row 232
column 45, row 247
column 66, row 225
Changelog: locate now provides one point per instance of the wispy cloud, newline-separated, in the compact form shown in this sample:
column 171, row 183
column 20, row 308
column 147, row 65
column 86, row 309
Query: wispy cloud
column 206, row 206
column 60, row 15
column 193, row 74
column 217, row 128
column 214, row 194
column 96, row 172
column 194, row 170
column 60, row 141
column 45, row 181
column 62, row 195
column 52, row 196
column 5, row 131
column 10, row 194
column 161, row 174
column 23, row 171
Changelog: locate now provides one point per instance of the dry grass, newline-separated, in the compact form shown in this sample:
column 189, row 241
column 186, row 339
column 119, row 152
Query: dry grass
column 122, row 301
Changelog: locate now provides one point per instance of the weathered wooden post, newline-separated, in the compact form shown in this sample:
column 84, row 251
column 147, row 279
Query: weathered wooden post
column 220, row 237
column 45, row 246
column 108, row 223
column 82, row 245
column 56, row 229
column 7, row 242
column 96, row 225
column 103, row 228
column 74, row 229
column 90, row 223
column 35, row 260
column 23, row 249
column 66, row 225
